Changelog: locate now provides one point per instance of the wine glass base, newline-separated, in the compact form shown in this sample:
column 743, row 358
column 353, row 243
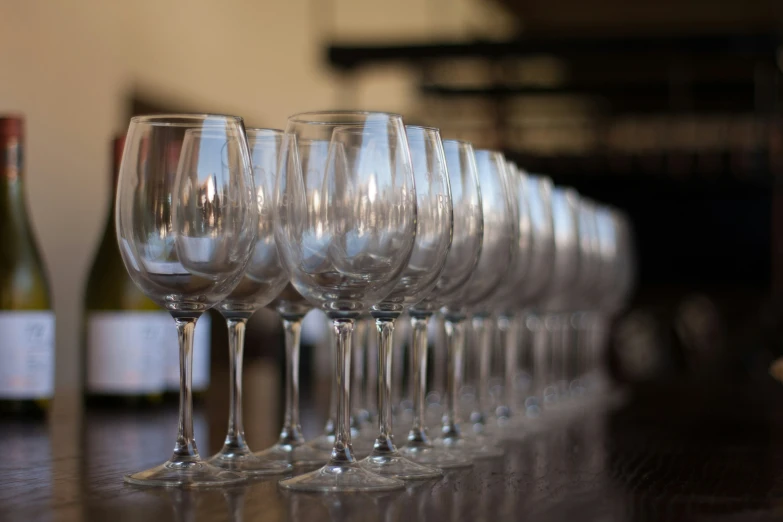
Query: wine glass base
column 475, row 448
column 323, row 442
column 362, row 446
column 435, row 456
column 305, row 455
column 300, row 455
column 515, row 429
column 250, row 464
column 189, row 473
column 341, row 478
column 396, row 466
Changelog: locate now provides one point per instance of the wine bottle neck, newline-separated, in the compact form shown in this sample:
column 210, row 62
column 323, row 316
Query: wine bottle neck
column 11, row 160
column 12, row 205
column 15, row 230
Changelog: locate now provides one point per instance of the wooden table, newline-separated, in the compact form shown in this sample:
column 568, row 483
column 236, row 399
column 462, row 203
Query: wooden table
column 669, row 453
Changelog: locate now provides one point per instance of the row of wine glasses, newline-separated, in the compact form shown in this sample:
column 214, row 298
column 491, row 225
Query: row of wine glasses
column 366, row 219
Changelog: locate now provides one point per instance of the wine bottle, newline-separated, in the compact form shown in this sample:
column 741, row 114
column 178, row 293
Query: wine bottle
column 26, row 316
column 125, row 332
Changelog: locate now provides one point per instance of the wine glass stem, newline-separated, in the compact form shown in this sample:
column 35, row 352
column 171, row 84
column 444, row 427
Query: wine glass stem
column 361, row 331
column 596, row 332
column 235, row 439
column 385, row 328
column 507, row 339
column 594, row 343
column 418, row 433
column 185, row 448
column 540, row 357
column 568, row 380
column 291, row 433
column 455, row 336
column 553, row 329
column 330, row 427
column 342, row 452
column 371, row 377
column 482, row 341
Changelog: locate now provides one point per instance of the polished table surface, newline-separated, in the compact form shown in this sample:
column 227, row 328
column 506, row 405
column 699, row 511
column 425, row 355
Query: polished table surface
column 713, row 451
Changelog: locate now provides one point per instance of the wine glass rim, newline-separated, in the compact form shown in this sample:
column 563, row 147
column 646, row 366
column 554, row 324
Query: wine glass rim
column 568, row 192
column 264, row 130
column 423, row 127
column 458, row 142
column 299, row 116
column 164, row 120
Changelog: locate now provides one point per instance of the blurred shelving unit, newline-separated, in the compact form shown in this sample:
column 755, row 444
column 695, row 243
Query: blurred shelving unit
column 683, row 132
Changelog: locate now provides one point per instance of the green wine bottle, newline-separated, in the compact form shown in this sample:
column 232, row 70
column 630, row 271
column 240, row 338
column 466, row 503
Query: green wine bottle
column 26, row 316
column 125, row 332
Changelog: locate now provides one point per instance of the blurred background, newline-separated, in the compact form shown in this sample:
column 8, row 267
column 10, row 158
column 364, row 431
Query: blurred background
column 666, row 109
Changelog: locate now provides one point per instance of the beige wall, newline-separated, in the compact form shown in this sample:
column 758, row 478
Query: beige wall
column 68, row 64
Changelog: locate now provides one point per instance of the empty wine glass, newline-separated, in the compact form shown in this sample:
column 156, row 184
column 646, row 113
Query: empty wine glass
column 506, row 299
column 292, row 308
column 263, row 279
column 499, row 238
column 617, row 278
column 565, row 268
column 519, row 366
column 186, row 234
column 584, row 294
column 345, row 229
column 433, row 239
column 512, row 261
column 461, row 260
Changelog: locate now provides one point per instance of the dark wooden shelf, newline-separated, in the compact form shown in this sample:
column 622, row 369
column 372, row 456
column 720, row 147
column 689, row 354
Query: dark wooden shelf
column 763, row 46
column 701, row 97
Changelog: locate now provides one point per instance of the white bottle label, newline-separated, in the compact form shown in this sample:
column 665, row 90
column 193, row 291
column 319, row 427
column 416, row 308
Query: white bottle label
column 27, row 354
column 125, row 352
column 201, row 348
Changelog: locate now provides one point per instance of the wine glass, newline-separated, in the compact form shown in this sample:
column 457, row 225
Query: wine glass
column 506, row 299
column 186, row 234
column 617, row 276
column 571, row 301
column 584, row 294
column 292, row 308
column 565, row 268
column 508, row 239
column 461, row 260
column 263, row 279
column 345, row 229
column 433, row 239
column 519, row 372
column 498, row 254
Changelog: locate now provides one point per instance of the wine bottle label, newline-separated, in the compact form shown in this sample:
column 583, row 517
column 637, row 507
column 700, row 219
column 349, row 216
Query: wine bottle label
column 201, row 348
column 126, row 352
column 27, row 354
